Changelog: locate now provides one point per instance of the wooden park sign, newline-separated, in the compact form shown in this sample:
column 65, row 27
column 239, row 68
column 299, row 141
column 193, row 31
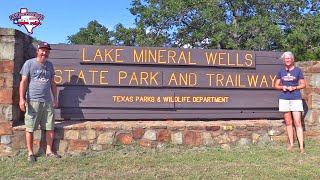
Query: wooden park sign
column 114, row 82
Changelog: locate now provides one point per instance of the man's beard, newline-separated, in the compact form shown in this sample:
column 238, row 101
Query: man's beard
column 43, row 58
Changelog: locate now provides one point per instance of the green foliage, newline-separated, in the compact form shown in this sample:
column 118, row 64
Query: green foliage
column 94, row 34
column 304, row 38
column 35, row 40
column 246, row 25
column 282, row 25
column 124, row 36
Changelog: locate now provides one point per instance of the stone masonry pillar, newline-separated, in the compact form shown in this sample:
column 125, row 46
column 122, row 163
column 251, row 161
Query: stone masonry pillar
column 15, row 48
column 311, row 95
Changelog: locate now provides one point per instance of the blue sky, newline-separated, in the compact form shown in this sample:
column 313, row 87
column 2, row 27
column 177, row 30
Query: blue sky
column 64, row 18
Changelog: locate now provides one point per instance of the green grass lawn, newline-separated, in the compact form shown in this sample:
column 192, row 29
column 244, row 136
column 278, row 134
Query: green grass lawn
column 174, row 162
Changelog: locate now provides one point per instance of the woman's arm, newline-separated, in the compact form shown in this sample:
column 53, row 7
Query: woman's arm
column 278, row 85
column 302, row 84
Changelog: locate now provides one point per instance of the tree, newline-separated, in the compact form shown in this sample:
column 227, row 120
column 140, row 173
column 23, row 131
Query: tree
column 245, row 24
column 124, row 36
column 260, row 25
column 94, row 34
column 208, row 23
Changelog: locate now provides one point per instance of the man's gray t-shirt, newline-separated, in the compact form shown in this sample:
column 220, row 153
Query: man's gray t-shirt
column 39, row 77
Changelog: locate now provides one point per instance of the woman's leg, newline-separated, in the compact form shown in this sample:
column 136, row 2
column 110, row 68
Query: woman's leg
column 288, row 120
column 299, row 130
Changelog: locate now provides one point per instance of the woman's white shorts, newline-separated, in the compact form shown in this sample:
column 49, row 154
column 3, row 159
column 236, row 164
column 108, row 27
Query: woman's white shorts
column 290, row 105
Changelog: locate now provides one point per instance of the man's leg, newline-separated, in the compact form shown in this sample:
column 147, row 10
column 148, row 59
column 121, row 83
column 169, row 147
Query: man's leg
column 49, row 126
column 31, row 120
column 29, row 141
column 49, row 139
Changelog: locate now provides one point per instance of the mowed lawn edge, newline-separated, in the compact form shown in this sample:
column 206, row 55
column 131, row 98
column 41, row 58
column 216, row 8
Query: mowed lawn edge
column 173, row 162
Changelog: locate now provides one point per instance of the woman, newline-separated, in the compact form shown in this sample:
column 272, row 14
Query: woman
column 290, row 81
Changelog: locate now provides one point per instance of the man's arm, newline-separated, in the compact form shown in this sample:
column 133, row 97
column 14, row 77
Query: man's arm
column 22, row 92
column 54, row 93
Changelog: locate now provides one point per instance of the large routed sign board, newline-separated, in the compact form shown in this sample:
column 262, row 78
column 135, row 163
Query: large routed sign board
column 115, row 82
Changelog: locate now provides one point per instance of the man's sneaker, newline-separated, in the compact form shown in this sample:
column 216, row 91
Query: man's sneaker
column 31, row 158
column 53, row 155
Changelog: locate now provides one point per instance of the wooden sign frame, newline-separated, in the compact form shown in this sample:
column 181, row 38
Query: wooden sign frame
column 116, row 82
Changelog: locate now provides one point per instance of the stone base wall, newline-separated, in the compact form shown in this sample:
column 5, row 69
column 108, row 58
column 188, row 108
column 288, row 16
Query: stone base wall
column 83, row 137
column 77, row 137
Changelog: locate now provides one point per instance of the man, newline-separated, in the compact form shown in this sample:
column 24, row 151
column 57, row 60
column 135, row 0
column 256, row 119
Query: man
column 37, row 84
